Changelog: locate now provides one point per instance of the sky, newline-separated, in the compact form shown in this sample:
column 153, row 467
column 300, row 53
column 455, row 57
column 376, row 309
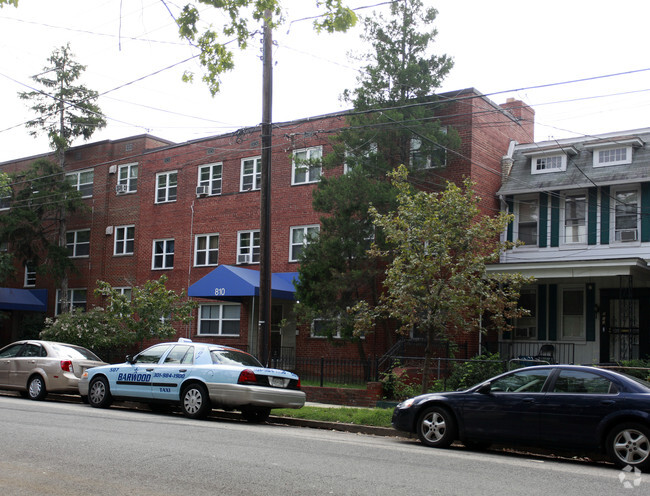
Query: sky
column 582, row 65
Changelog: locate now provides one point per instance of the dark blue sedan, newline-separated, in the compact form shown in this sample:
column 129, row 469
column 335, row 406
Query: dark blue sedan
column 567, row 407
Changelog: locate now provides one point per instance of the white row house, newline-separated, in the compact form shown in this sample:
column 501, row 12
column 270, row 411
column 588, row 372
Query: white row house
column 582, row 211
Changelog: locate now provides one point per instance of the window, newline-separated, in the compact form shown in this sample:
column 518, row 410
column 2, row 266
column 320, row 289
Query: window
column 128, row 178
column 219, row 320
column 524, row 381
column 76, row 299
column 573, row 313
column 575, row 381
column 163, row 254
column 626, row 217
column 322, row 328
column 527, row 218
column 166, row 186
column 613, row 156
column 248, row 247
column 433, row 157
column 5, row 202
column 82, row 181
column 300, row 237
column 206, row 250
column 210, row 178
column 30, row 275
column 358, row 155
column 78, row 243
column 181, row 353
column 575, row 219
column 251, row 173
column 550, row 163
column 124, row 240
column 125, row 291
column 152, row 355
column 526, row 327
column 306, row 165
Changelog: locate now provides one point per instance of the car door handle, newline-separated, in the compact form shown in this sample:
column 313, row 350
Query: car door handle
column 607, row 402
column 149, row 370
column 182, row 370
column 528, row 400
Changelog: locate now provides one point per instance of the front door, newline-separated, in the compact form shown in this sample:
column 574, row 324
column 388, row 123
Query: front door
column 624, row 324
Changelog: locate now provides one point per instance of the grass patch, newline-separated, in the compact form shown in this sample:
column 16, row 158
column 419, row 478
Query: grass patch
column 376, row 417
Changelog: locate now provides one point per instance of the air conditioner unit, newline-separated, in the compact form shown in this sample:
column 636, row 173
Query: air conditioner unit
column 112, row 169
column 109, row 230
column 628, row 235
column 243, row 259
column 201, row 191
column 121, row 188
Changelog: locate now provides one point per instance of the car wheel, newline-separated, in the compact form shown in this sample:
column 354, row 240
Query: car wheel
column 256, row 415
column 629, row 445
column 36, row 388
column 436, row 427
column 195, row 401
column 99, row 394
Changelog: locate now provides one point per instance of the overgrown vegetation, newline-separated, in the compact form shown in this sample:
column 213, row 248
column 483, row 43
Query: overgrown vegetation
column 478, row 369
column 636, row 368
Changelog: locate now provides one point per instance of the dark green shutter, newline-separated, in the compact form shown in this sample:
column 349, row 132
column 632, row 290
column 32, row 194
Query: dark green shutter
column 604, row 215
column 590, row 313
column 552, row 312
column 555, row 220
column 592, row 214
column 645, row 211
column 543, row 220
column 541, row 312
column 511, row 210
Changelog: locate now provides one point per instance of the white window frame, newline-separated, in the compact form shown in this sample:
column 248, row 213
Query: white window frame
column 164, row 255
column 220, row 318
column 518, row 202
column 77, row 297
column 77, row 245
column 561, row 167
column 29, row 280
column 207, row 251
column 122, row 238
column 567, row 237
column 619, row 234
column 85, row 188
column 5, row 202
column 254, row 177
column 211, row 176
column 314, row 334
column 169, row 187
column 419, row 162
column 598, row 159
column 128, row 174
column 311, row 173
column 251, row 251
column 372, row 150
column 299, row 245
column 579, row 319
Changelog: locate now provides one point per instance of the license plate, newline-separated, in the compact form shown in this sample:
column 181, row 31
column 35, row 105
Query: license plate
column 277, row 382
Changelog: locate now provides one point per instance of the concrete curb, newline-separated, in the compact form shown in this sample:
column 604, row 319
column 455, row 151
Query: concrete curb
column 337, row 426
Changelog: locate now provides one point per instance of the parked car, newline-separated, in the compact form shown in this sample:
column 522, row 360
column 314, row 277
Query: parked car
column 34, row 367
column 196, row 376
column 568, row 407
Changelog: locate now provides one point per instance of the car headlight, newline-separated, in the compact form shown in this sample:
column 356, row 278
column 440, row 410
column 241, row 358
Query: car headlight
column 406, row 403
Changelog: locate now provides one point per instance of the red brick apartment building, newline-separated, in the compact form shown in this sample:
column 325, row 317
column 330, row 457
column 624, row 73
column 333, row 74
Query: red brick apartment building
column 191, row 211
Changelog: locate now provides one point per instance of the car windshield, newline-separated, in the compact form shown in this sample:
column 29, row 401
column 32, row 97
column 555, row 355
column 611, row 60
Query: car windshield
column 75, row 352
column 234, row 357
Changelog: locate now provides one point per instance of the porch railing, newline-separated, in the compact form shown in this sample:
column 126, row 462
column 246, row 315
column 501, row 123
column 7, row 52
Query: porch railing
column 561, row 352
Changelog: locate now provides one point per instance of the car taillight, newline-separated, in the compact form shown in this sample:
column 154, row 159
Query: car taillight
column 298, row 383
column 66, row 366
column 247, row 376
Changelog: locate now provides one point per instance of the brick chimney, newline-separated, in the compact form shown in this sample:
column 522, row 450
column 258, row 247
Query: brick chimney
column 524, row 114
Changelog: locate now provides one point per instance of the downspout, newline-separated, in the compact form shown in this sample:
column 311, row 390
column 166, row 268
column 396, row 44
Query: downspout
column 189, row 268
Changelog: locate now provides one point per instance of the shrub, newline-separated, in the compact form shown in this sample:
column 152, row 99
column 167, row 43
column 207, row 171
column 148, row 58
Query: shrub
column 474, row 371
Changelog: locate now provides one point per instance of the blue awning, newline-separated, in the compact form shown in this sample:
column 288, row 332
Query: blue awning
column 228, row 282
column 33, row 300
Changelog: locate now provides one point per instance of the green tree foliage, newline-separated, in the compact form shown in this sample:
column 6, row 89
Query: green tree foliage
column 31, row 225
column 393, row 107
column 65, row 110
column 149, row 313
column 216, row 57
column 437, row 280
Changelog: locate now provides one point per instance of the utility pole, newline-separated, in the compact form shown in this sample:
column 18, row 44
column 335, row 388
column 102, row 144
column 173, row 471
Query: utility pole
column 264, row 333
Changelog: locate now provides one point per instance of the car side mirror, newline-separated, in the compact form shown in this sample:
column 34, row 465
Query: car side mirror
column 485, row 388
column 129, row 359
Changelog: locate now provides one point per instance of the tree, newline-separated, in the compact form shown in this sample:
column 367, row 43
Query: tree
column 126, row 320
column 66, row 111
column 437, row 281
column 393, row 109
column 31, row 225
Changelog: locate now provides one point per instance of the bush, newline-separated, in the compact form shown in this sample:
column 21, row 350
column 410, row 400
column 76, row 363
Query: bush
column 399, row 384
column 474, row 371
column 635, row 370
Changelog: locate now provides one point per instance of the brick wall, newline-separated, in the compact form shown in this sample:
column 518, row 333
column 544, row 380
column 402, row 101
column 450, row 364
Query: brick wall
column 344, row 396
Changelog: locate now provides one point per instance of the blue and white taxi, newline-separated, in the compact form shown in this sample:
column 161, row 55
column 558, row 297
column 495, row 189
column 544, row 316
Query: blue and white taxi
column 196, row 376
